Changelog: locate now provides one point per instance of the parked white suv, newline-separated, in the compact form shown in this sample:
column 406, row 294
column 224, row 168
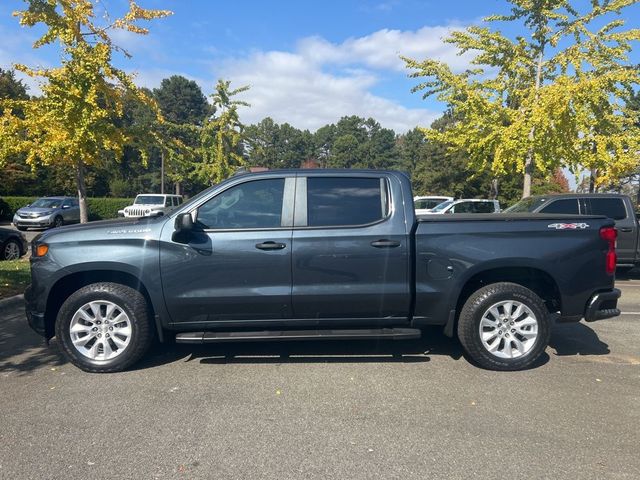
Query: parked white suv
column 426, row 204
column 151, row 205
column 467, row 205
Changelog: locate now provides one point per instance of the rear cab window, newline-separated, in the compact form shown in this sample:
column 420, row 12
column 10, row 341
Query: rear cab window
column 609, row 207
column 346, row 201
column 568, row 206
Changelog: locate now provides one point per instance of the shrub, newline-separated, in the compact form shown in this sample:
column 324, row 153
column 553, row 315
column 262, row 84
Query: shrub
column 99, row 208
column 9, row 205
column 104, row 208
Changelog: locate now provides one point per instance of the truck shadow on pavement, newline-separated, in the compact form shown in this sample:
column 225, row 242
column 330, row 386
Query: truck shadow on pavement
column 22, row 351
column 320, row 351
column 576, row 339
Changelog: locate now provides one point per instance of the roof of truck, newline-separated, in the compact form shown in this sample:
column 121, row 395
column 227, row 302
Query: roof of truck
column 578, row 195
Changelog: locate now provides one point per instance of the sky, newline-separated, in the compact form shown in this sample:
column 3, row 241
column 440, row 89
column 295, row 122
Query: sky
column 308, row 63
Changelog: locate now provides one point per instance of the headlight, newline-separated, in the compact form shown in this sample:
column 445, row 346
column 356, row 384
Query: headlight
column 44, row 214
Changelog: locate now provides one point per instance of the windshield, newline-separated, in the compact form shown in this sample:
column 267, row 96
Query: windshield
column 149, row 200
column 47, row 203
column 526, row 205
column 442, row 206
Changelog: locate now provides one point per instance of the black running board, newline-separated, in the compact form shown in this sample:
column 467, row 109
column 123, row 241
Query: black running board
column 356, row 334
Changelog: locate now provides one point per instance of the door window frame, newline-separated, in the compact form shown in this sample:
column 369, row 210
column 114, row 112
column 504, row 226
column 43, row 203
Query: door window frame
column 300, row 220
column 286, row 218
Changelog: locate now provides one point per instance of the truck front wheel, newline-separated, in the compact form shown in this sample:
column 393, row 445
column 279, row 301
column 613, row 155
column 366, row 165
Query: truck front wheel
column 104, row 327
column 504, row 326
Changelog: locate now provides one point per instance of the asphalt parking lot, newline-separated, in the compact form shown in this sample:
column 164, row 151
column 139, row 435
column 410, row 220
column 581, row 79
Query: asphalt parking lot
column 399, row 410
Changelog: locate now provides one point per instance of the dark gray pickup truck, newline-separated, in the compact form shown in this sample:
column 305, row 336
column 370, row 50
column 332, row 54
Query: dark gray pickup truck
column 318, row 254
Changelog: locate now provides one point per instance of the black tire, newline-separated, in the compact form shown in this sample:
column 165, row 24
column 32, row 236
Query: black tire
column 127, row 299
column 58, row 222
column 479, row 303
column 6, row 248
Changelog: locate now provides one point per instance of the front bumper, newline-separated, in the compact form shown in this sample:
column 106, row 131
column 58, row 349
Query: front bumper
column 603, row 305
column 35, row 319
column 19, row 221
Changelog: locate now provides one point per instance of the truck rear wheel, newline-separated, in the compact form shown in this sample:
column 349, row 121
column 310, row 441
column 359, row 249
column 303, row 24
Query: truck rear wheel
column 504, row 326
column 104, row 327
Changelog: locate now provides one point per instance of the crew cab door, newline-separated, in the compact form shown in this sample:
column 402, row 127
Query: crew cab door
column 236, row 262
column 350, row 249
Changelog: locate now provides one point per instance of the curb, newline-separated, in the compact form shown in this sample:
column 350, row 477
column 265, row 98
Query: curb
column 11, row 302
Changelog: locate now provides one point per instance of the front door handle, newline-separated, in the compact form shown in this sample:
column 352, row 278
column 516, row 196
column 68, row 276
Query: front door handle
column 625, row 229
column 384, row 243
column 270, row 246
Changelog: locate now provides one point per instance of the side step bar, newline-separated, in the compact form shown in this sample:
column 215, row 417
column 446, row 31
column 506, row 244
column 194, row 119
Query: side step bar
column 356, row 334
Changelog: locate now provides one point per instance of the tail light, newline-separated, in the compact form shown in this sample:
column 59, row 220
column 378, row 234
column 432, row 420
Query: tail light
column 609, row 234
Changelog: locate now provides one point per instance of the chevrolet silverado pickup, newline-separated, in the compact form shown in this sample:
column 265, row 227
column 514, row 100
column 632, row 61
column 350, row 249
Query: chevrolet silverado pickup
column 318, row 254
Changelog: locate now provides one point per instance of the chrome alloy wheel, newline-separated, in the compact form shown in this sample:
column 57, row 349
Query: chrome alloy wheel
column 508, row 329
column 12, row 251
column 100, row 330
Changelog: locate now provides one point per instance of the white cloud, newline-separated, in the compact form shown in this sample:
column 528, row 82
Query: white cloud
column 320, row 81
column 382, row 49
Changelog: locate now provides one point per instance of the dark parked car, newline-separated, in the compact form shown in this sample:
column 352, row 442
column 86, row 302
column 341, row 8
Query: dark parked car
column 48, row 212
column 612, row 205
column 13, row 245
column 308, row 254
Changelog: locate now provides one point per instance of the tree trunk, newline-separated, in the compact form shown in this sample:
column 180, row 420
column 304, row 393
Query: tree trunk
column 82, row 192
column 528, row 175
column 493, row 194
column 529, row 166
column 178, row 188
column 592, row 181
column 162, row 171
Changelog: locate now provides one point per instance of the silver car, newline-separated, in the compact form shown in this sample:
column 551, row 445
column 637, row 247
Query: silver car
column 48, row 212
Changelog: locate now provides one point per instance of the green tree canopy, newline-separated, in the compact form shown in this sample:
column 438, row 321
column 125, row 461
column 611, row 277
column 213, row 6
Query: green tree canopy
column 221, row 136
column 552, row 97
column 181, row 101
column 75, row 121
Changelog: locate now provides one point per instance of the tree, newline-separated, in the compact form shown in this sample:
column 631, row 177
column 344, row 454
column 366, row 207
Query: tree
column 439, row 171
column 552, row 98
column 181, row 101
column 16, row 174
column 11, row 88
column 355, row 142
column 74, row 123
column 222, row 135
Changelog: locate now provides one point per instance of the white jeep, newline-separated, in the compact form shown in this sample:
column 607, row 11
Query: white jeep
column 151, row 205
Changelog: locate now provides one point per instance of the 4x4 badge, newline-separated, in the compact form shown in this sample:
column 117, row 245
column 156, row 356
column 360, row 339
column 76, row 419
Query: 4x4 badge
column 568, row 226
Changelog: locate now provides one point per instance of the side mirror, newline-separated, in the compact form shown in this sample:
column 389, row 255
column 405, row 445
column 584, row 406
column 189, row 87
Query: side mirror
column 184, row 222
column 64, row 207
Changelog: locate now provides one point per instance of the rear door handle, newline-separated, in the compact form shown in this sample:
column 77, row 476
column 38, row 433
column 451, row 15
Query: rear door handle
column 383, row 243
column 270, row 246
column 626, row 229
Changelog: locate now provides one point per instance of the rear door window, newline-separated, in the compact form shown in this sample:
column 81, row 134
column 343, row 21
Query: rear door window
column 608, row 207
column 483, row 207
column 340, row 201
column 463, row 207
column 567, row 206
